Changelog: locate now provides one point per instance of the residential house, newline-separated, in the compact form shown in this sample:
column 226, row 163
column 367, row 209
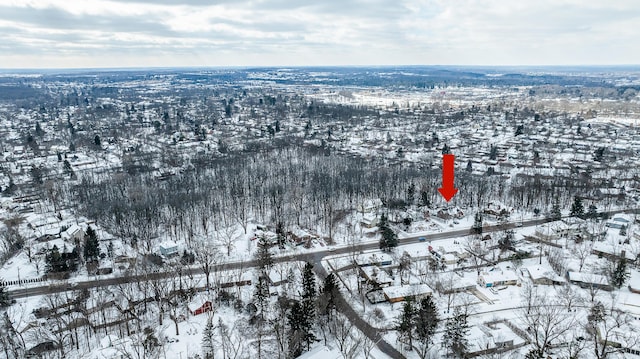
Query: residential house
column 168, row 248
column 495, row 211
column 370, row 206
column 544, row 275
column 376, row 276
column 369, row 220
column 379, row 259
column 73, row 234
column 400, row 293
column 278, row 277
column 200, row 305
column 617, row 223
column 620, row 338
column 497, row 277
column 586, row 280
column 608, row 250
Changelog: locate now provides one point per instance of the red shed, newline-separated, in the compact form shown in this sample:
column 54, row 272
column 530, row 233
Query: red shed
column 198, row 306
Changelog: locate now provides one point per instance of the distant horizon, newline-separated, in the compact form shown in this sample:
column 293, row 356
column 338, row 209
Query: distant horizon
column 244, row 67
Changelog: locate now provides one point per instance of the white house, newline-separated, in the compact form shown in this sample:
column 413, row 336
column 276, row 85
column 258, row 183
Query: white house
column 497, row 277
column 544, row 275
column 168, row 248
column 586, row 280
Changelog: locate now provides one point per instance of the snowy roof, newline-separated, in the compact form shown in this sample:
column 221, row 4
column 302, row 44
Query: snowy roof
column 499, row 276
column 168, row 244
column 278, row 276
column 588, row 278
column 616, row 250
column 373, row 273
column 197, row 301
column 540, row 272
column 484, row 337
column 400, row 291
column 374, row 259
column 634, row 280
column 322, row 352
column 462, row 283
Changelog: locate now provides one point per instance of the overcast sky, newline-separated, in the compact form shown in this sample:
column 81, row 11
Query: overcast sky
column 141, row 33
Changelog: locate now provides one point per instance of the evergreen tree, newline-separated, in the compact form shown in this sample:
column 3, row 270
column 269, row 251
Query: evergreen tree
column 208, row 343
column 281, row 235
column 456, row 333
column 96, row 141
column 519, row 130
column 54, row 262
column 598, row 154
column 261, row 293
column 621, row 195
column 389, row 238
column 309, row 296
column 5, row 301
column 296, row 321
column 110, row 250
column 329, row 293
column 91, row 245
column 263, row 255
column 493, row 152
column 592, row 212
column 39, row 130
column 411, row 193
column 427, row 321
column 308, row 282
column 577, row 209
column 620, row 274
column 446, row 149
column 477, row 223
column 469, row 166
column 406, row 322
column 424, row 199
column 556, row 214
column 383, row 221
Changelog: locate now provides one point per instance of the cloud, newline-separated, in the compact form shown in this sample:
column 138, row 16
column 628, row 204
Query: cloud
column 37, row 33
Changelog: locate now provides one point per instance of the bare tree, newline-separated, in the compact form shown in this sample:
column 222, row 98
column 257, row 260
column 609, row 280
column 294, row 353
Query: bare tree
column 548, row 324
column 342, row 330
column 404, row 265
column 592, row 284
column 610, row 330
column 232, row 340
column 445, row 285
column 568, row 296
column 228, row 237
column 11, row 341
column 557, row 261
column 477, row 249
column 581, row 251
column 207, row 256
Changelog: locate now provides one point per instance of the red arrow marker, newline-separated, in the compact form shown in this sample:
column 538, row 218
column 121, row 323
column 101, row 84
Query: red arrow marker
column 447, row 190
